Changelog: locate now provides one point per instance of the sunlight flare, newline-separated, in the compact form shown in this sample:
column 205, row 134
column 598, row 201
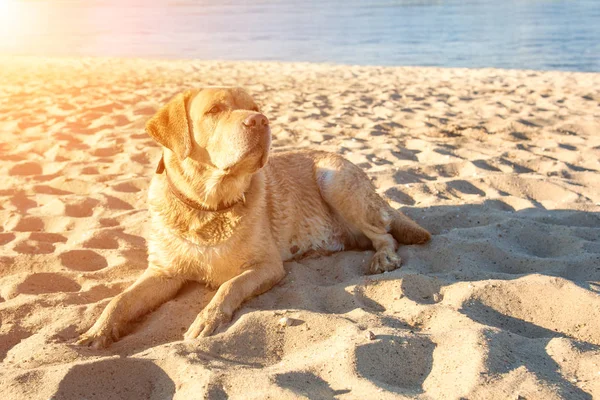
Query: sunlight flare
column 10, row 19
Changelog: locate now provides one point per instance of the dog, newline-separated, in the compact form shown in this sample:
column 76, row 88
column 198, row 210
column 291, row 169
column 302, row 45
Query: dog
column 226, row 213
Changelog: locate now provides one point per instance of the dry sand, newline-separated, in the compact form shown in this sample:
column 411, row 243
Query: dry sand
column 501, row 166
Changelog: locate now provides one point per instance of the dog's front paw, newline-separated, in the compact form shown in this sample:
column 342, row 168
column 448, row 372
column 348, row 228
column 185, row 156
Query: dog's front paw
column 98, row 338
column 385, row 260
column 206, row 323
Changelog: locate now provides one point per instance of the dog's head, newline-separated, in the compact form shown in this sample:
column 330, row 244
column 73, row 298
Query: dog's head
column 218, row 127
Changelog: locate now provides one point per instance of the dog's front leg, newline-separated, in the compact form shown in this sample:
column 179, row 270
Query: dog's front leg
column 231, row 295
column 148, row 292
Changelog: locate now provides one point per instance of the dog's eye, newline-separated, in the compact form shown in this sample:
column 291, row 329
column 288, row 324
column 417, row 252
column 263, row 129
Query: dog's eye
column 214, row 110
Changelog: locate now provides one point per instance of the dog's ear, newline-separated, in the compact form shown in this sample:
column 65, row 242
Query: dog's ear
column 171, row 127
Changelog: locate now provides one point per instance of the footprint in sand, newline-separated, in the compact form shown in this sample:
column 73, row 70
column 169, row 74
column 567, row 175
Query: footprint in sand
column 102, row 240
column 121, row 120
column 127, row 187
column 144, row 110
column 90, row 171
column 105, row 379
column 140, row 158
column 400, row 361
column 45, row 189
column 33, row 247
column 26, row 168
column 80, row 208
column 47, row 283
column 39, row 243
column 83, row 260
column 22, row 202
column 24, row 224
column 6, row 237
column 107, row 151
column 47, row 237
column 106, row 222
column 117, row 204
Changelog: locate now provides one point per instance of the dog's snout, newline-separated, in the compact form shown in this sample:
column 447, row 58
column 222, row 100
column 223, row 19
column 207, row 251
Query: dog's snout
column 257, row 120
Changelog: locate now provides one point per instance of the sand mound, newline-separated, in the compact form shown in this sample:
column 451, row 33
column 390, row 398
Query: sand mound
column 502, row 166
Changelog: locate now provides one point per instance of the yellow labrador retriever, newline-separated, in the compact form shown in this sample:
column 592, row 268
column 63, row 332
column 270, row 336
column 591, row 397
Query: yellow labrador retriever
column 223, row 215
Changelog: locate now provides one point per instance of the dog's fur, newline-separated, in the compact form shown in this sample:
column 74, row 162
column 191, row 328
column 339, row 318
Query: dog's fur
column 224, row 216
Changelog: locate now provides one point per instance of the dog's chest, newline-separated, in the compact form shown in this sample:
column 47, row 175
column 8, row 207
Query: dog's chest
column 196, row 244
column 212, row 229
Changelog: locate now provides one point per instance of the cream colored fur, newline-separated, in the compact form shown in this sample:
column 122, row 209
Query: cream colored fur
column 297, row 203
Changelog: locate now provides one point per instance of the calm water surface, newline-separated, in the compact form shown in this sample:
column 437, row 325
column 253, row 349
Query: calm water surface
column 529, row 34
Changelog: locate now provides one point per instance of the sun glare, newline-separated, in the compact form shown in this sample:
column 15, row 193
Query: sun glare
column 8, row 9
column 10, row 19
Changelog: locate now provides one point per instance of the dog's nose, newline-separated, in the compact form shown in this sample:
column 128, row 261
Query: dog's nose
column 256, row 120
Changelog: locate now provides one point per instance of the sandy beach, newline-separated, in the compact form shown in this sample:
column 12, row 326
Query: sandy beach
column 502, row 166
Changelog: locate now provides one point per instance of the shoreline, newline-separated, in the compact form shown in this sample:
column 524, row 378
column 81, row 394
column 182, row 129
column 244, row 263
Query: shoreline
column 11, row 58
